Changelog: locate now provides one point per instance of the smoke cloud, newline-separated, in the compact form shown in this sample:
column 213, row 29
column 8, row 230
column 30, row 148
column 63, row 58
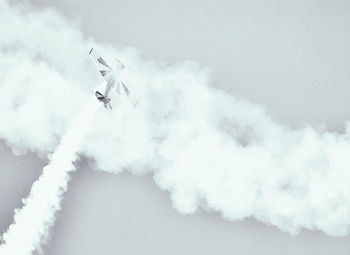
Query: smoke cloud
column 32, row 222
column 209, row 149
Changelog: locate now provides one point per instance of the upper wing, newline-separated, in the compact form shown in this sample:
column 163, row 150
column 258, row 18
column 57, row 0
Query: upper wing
column 101, row 65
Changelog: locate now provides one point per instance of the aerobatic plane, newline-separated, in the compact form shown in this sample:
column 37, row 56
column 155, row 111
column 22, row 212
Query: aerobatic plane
column 110, row 74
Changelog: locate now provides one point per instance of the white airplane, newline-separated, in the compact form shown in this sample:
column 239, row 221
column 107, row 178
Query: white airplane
column 111, row 75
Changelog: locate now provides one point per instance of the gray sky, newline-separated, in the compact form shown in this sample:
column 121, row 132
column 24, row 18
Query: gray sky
column 292, row 58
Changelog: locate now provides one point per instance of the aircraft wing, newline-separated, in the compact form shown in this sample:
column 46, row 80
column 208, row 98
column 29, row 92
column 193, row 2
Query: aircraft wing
column 101, row 64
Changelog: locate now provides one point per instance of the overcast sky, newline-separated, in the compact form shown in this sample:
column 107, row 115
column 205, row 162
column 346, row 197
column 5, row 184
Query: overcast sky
column 293, row 58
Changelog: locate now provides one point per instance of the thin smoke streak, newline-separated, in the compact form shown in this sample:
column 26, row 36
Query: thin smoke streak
column 31, row 224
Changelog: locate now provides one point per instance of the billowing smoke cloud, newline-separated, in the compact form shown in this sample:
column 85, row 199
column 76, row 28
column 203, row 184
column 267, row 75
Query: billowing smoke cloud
column 32, row 222
column 207, row 148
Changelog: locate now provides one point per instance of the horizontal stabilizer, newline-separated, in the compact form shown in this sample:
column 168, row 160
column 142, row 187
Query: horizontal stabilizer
column 127, row 91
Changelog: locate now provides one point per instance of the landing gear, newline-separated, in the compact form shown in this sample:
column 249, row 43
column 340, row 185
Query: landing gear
column 105, row 100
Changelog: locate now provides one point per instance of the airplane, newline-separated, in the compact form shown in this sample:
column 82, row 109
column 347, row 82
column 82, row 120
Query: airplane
column 111, row 76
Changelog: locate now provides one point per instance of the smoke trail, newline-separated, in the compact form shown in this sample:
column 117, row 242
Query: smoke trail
column 32, row 222
column 207, row 148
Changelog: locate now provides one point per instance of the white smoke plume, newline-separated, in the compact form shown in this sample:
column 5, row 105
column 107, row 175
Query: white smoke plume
column 207, row 148
column 32, row 222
